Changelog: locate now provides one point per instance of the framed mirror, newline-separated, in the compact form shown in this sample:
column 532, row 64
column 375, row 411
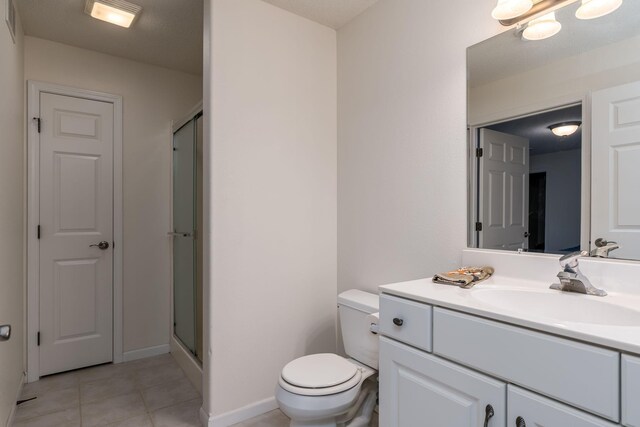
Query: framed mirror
column 554, row 137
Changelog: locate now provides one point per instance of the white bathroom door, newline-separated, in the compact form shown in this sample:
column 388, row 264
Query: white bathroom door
column 76, row 215
column 615, row 170
column 504, row 191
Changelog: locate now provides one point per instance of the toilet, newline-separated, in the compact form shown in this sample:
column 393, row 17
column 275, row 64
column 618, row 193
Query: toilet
column 328, row 390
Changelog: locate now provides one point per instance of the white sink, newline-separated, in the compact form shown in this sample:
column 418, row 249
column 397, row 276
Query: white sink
column 559, row 307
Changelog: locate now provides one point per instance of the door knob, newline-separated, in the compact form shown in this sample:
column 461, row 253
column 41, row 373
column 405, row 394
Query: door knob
column 5, row 332
column 102, row 245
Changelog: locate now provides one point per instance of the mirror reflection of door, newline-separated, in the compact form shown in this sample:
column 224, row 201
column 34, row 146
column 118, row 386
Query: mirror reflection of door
column 504, row 192
column 552, row 188
column 615, row 143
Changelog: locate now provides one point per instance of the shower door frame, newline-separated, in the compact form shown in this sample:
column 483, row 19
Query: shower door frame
column 193, row 366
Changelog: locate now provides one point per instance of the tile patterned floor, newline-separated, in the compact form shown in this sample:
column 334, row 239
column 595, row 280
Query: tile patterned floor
column 151, row 392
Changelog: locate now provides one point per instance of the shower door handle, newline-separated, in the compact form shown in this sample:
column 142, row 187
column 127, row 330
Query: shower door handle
column 179, row 234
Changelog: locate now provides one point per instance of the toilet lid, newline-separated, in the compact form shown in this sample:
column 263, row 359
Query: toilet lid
column 319, row 371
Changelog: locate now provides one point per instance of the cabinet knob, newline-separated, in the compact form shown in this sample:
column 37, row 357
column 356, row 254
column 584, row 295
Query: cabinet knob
column 488, row 414
column 398, row 321
column 520, row 422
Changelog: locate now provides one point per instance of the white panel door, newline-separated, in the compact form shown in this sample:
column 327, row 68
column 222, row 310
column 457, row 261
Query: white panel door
column 418, row 389
column 615, row 171
column 76, row 209
column 504, row 190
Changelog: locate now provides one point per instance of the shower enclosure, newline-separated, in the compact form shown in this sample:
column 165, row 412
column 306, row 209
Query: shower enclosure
column 187, row 233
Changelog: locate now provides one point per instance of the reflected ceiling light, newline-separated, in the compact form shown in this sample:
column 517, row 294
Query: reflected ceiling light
column 591, row 9
column 542, row 28
column 565, row 129
column 118, row 12
column 507, row 9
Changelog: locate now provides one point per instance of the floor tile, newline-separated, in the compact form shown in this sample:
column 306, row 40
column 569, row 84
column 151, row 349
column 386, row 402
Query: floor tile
column 49, row 402
column 168, row 394
column 148, row 362
column 155, row 375
column 50, row 383
column 102, row 389
column 113, row 409
column 182, row 415
column 270, row 419
column 139, row 421
column 66, row 418
column 102, row 372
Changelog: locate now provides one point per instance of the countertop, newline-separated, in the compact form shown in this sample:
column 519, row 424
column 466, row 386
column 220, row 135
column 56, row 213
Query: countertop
column 612, row 321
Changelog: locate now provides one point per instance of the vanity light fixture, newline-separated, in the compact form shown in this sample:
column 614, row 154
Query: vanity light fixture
column 508, row 9
column 591, row 9
column 542, row 28
column 565, row 129
column 117, row 12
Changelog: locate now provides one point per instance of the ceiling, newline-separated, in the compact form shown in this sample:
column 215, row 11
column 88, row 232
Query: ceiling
column 507, row 54
column 168, row 33
column 541, row 139
column 332, row 13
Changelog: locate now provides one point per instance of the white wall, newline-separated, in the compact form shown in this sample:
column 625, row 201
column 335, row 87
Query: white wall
column 11, row 214
column 272, row 160
column 562, row 214
column 402, row 138
column 152, row 98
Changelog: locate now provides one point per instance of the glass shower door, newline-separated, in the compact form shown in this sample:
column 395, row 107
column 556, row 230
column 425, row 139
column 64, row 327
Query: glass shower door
column 184, row 226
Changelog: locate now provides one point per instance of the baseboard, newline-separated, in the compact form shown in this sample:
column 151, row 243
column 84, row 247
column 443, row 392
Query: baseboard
column 12, row 414
column 239, row 415
column 187, row 362
column 141, row 353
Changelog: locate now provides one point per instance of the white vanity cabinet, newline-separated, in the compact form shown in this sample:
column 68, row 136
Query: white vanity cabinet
column 418, row 389
column 448, row 366
column 525, row 408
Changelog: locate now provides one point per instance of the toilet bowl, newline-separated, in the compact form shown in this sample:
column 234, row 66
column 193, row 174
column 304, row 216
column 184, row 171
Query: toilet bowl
column 328, row 390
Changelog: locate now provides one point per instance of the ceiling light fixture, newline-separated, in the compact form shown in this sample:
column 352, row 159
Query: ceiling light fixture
column 591, row 9
column 542, row 28
column 118, row 12
column 508, row 9
column 565, row 129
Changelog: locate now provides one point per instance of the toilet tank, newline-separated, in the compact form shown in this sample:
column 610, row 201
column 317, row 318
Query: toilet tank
column 355, row 309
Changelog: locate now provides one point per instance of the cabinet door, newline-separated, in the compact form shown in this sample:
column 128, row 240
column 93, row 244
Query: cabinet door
column 421, row 390
column 533, row 410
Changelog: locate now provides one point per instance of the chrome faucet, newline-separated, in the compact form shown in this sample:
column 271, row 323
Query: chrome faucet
column 603, row 248
column 572, row 279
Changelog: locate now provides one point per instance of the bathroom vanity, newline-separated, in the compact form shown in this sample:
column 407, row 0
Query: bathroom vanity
column 511, row 352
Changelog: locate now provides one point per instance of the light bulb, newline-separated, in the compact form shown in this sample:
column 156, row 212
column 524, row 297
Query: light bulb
column 542, row 28
column 507, row 9
column 565, row 129
column 591, row 9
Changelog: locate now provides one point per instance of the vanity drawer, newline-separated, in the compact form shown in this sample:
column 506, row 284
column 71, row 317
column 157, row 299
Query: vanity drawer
column 630, row 391
column 539, row 411
column 582, row 375
column 406, row 321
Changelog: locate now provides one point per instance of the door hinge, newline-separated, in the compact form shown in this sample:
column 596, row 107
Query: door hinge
column 38, row 231
column 479, row 152
column 478, row 226
column 38, row 123
column 38, row 338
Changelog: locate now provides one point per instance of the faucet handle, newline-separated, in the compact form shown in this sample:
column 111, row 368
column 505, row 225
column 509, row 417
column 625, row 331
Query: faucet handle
column 571, row 260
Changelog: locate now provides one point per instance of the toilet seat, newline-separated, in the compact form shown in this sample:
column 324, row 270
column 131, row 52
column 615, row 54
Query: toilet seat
column 320, row 375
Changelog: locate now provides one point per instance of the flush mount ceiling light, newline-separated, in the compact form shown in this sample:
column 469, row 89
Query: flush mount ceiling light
column 591, row 9
column 118, row 12
column 542, row 28
column 508, row 9
column 565, row 129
